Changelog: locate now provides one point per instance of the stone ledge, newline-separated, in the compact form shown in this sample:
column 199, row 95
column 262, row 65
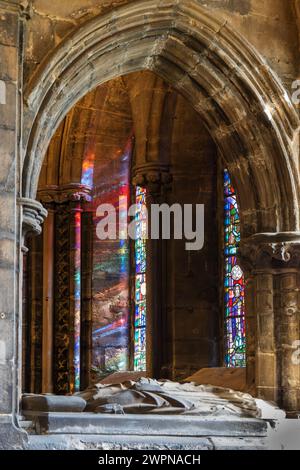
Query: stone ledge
column 146, row 425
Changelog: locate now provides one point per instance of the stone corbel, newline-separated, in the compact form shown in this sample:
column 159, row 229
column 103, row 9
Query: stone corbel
column 155, row 177
column 267, row 250
column 33, row 216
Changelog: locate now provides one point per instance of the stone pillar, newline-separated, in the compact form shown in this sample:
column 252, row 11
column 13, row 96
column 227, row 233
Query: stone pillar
column 15, row 221
column 34, row 315
column 57, row 330
column 9, row 134
column 288, row 306
column 47, row 323
column 156, row 179
column 64, row 233
column 67, row 286
column 266, row 354
column 251, row 328
column 32, row 215
column 273, row 263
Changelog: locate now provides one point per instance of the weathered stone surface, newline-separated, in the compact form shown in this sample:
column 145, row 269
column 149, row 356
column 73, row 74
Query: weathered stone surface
column 7, row 159
column 147, row 425
column 7, row 253
column 256, row 20
column 8, row 28
column 53, row 403
column 11, row 438
column 7, row 207
column 8, row 63
column 119, row 442
column 8, row 110
column 234, row 378
column 284, row 437
column 6, row 303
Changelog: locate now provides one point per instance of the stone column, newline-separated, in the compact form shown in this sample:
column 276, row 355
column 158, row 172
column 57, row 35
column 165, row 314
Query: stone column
column 266, row 353
column 32, row 215
column 48, row 301
column 9, row 134
column 251, row 328
column 288, row 306
column 67, row 284
column 156, row 179
column 11, row 240
column 33, row 315
column 273, row 263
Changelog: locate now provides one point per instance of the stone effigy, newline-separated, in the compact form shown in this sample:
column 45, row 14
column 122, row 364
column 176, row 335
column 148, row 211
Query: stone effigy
column 149, row 396
column 165, row 397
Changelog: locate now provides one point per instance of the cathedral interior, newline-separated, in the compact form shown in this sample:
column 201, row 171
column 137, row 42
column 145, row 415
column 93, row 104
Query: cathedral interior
column 135, row 103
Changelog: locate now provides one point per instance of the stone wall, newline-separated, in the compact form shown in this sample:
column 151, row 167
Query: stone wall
column 195, row 280
column 9, row 190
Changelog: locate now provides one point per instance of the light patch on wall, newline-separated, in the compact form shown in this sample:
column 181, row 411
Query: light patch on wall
column 2, row 352
column 2, row 92
column 269, row 110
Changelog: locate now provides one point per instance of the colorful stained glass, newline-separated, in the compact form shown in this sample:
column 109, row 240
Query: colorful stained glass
column 140, row 255
column 77, row 300
column 140, row 281
column 234, row 284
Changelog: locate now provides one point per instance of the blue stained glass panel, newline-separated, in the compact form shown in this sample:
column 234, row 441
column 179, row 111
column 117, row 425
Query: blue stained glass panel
column 140, row 280
column 234, row 283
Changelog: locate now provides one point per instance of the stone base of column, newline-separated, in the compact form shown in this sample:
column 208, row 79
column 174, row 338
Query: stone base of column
column 11, row 437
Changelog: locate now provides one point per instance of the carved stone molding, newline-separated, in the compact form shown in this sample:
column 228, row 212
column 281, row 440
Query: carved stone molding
column 34, row 215
column 61, row 194
column 14, row 6
column 270, row 250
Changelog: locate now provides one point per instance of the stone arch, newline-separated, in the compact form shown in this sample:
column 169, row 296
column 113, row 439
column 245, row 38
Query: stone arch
column 242, row 102
column 252, row 120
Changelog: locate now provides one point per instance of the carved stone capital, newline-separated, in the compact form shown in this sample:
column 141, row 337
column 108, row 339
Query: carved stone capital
column 34, row 215
column 60, row 194
column 268, row 250
column 155, row 177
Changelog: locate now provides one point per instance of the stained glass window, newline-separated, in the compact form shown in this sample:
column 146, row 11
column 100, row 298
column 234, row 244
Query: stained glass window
column 140, row 281
column 111, row 263
column 235, row 342
column 77, row 300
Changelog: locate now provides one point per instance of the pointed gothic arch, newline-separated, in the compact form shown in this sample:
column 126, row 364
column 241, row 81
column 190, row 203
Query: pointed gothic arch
column 242, row 102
